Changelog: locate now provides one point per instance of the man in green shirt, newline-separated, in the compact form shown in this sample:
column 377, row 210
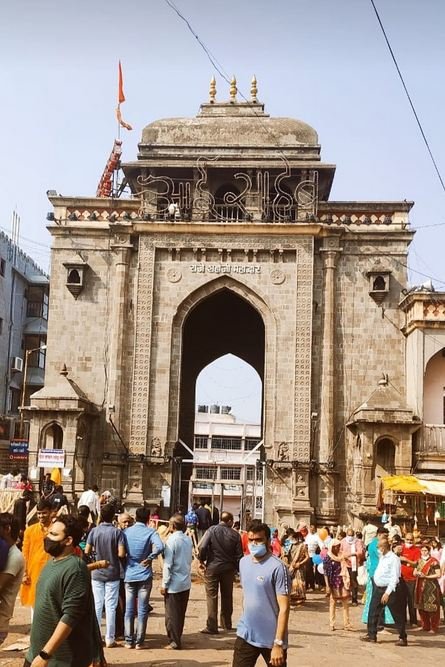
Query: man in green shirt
column 64, row 631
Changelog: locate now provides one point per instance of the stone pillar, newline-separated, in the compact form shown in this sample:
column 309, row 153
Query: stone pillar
column 327, row 510
column 121, row 246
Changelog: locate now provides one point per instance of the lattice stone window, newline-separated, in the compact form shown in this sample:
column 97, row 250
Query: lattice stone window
column 232, row 473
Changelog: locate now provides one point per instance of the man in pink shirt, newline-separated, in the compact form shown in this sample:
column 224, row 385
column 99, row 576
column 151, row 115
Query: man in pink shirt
column 354, row 551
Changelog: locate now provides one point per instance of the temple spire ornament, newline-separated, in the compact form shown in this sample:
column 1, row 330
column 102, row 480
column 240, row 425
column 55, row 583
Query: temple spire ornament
column 212, row 91
column 233, row 90
column 254, row 90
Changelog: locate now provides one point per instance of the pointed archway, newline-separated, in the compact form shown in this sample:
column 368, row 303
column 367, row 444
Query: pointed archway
column 222, row 322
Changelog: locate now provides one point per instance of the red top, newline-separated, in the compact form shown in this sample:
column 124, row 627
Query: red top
column 412, row 553
column 245, row 542
column 276, row 546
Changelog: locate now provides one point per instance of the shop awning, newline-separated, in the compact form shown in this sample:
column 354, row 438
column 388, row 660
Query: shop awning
column 412, row 484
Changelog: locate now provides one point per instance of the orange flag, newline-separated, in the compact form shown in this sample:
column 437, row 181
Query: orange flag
column 120, row 99
column 121, row 96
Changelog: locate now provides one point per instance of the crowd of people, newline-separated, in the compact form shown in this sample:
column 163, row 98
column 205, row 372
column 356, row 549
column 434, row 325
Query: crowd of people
column 73, row 569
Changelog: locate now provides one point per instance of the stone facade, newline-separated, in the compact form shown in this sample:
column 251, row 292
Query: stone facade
column 229, row 212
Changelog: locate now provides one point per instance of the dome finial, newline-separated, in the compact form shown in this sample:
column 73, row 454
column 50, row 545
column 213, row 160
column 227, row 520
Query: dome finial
column 254, row 90
column 233, row 90
column 212, row 91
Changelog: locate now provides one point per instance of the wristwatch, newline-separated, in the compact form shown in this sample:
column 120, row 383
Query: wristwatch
column 45, row 656
column 278, row 642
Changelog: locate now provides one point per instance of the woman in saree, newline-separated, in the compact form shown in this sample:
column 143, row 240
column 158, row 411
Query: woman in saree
column 427, row 595
column 337, row 583
column 298, row 556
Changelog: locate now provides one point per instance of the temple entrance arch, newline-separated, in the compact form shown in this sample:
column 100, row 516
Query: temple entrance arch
column 222, row 317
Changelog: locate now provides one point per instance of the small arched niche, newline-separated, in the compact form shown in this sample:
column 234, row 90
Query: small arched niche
column 52, row 436
column 75, row 277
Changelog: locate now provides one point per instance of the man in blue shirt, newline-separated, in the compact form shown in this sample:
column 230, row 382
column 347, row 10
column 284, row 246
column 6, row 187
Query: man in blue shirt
column 176, row 579
column 262, row 629
column 108, row 543
column 143, row 546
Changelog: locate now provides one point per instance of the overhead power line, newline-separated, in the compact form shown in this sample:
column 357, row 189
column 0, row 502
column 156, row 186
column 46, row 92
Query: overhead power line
column 416, row 116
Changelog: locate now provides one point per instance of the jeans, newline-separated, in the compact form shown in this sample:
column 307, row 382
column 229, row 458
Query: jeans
column 106, row 592
column 140, row 591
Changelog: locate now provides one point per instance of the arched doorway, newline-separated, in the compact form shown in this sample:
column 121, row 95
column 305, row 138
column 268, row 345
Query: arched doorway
column 434, row 390
column 384, row 458
column 221, row 323
column 227, row 445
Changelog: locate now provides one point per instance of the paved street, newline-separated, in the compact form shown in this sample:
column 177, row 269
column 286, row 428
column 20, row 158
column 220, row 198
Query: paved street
column 312, row 643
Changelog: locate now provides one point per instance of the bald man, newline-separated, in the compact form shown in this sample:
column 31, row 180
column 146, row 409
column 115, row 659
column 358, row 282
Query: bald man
column 125, row 520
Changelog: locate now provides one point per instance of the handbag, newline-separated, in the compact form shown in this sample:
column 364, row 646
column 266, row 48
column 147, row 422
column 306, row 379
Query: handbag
column 362, row 575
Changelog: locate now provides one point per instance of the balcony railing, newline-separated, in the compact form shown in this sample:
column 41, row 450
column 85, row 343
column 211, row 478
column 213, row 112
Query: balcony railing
column 433, row 441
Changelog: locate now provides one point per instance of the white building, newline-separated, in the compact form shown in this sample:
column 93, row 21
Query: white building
column 226, row 464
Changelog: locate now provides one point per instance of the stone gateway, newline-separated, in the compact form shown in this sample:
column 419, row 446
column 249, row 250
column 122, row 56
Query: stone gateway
column 228, row 242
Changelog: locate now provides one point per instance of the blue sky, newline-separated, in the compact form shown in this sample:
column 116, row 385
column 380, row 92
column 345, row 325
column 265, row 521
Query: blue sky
column 323, row 61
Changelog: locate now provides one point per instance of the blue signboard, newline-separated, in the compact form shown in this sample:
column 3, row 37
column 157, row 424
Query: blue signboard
column 18, row 450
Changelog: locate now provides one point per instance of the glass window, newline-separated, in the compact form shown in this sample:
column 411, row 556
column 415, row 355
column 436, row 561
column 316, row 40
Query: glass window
column 230, row 473
column 220, row 442
column 36, row 359
column 205, row 472
column 37, row 302
column 251, row 443
column 200, row 442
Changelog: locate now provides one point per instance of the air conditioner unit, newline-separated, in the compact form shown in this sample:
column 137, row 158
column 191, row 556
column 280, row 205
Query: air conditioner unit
column 17, row 364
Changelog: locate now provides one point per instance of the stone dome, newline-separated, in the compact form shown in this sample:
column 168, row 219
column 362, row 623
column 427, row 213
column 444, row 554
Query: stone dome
column 230, row 126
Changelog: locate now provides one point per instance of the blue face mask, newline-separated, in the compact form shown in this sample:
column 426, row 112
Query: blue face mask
column 258, row 550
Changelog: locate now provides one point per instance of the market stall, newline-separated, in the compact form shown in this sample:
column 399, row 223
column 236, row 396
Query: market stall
column 414, row 500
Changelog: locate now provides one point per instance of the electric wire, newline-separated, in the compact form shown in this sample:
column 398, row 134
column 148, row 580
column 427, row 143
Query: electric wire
column 413, row 108
column 220, row 70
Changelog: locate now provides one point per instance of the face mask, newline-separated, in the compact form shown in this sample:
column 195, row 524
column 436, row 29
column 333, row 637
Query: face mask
column 258, row 550
column 350, row 539
column 408, row 544
column 52, row 547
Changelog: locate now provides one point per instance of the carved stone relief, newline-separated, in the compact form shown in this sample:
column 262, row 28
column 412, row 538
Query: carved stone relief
column 303, row 319
column 143, row 326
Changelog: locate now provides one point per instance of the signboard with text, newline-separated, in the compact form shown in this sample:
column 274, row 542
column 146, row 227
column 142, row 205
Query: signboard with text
column 18, row 450
column 51, row 458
